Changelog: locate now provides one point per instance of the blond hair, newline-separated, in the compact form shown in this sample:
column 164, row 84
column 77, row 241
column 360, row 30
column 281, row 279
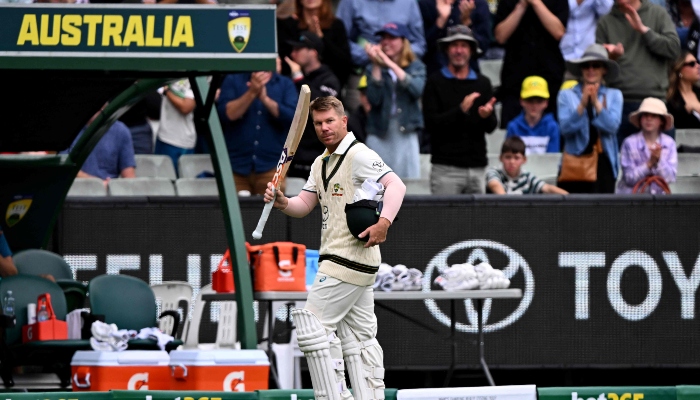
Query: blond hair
column 407, row 55
column 327, row 103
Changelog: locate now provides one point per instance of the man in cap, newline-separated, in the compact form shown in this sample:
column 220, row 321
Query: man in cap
column 643, row 40
column 307, row 69
column 458, row 112
column 530, row 31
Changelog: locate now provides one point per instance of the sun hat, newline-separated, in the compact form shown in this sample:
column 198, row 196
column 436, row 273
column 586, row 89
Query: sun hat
column 534, row 86
column 652, row 105
column 459, row 32
column 594, row 53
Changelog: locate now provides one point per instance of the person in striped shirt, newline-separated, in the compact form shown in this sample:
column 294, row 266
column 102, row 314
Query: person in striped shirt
column 511, row 179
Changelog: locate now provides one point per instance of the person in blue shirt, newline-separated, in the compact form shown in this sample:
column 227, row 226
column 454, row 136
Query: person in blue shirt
column 256, row 110
column 7, row 266
column 590, row 115
column 539, row 130
column 112, row 157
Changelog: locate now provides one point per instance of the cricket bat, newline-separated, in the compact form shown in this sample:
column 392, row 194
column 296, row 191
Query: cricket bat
column 301, row 115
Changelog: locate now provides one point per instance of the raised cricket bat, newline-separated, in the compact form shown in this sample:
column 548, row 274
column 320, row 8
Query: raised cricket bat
column 301, row 115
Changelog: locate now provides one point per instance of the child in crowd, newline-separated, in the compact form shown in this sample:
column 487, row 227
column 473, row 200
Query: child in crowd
column 538, row 130
column 650, row 151
column 511, row 179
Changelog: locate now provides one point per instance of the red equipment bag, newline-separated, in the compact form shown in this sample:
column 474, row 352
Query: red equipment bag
column 278, row 267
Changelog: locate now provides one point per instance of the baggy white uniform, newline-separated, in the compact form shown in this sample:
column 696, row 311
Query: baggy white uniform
column 342, row 296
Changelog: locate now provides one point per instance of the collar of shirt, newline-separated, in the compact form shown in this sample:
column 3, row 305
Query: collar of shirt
column 448, row 74
column 343, row 146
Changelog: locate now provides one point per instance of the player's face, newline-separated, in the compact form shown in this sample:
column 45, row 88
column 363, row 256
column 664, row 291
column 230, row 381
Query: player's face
column 331, row 128
column 512, row 162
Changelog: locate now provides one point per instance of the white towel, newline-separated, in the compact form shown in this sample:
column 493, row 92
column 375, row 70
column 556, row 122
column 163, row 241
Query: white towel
column 415, row 280
column 75, row 324
column 368, row 190
column 458, row 277
column 157, row 335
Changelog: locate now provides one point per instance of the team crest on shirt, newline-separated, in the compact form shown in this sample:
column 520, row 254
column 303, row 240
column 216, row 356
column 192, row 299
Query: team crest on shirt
column 337, row 190
column 378, row 166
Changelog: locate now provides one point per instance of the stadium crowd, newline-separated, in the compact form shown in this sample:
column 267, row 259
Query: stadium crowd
column 604, row 83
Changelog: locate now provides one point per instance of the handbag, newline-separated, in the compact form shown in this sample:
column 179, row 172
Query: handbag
column 583, row 168
column 644, row 184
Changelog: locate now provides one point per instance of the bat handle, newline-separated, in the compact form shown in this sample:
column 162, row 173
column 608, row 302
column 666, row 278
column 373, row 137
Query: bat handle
column 257, row 234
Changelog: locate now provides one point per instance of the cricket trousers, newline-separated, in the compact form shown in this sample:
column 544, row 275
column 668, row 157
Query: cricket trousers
column 336, row 302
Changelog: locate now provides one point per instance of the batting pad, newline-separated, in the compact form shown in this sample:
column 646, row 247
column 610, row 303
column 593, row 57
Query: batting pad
column 314, row 343
column 515, row 392
column 367, row 381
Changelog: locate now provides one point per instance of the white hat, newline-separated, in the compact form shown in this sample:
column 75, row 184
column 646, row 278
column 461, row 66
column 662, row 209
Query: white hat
column 651, row 105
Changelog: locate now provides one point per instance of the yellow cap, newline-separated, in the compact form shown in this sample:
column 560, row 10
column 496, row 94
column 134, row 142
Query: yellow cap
column 363, row 82
column 534, row 86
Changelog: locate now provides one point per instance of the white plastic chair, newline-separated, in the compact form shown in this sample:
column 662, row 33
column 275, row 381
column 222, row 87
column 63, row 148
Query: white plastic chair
column 170, row 296
column 226, row 328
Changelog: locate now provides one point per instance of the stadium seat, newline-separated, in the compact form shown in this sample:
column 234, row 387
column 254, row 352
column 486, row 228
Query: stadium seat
column 154, row 166
column 492, row 70
column 493, row 160
column 39, row 262
column 172, row 295
column 141, row 187
column 685, row 185
column 293, row 186
column 425, row 166
column 417, row 186
column 688, row 137
column 226, row 328
column 494, row 141
column 688, row 164
column 191, row 165
column 543, row 164
column 196, row 187
column 129, row 303
column 552, row 179
column 53, row 354
column 87, row 187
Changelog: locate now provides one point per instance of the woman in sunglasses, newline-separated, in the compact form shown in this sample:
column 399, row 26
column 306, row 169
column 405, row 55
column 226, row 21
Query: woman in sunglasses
column 589, row 115
column 683, row 95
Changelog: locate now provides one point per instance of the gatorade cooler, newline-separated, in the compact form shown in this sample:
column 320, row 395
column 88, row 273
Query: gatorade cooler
column 120, row 370
column 219, row 370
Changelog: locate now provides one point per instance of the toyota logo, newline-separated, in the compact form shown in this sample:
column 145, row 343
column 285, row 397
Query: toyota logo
column 515, row 262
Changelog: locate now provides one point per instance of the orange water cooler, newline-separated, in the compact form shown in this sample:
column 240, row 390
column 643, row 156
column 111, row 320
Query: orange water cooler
column 219, row 370
column 120, row 370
